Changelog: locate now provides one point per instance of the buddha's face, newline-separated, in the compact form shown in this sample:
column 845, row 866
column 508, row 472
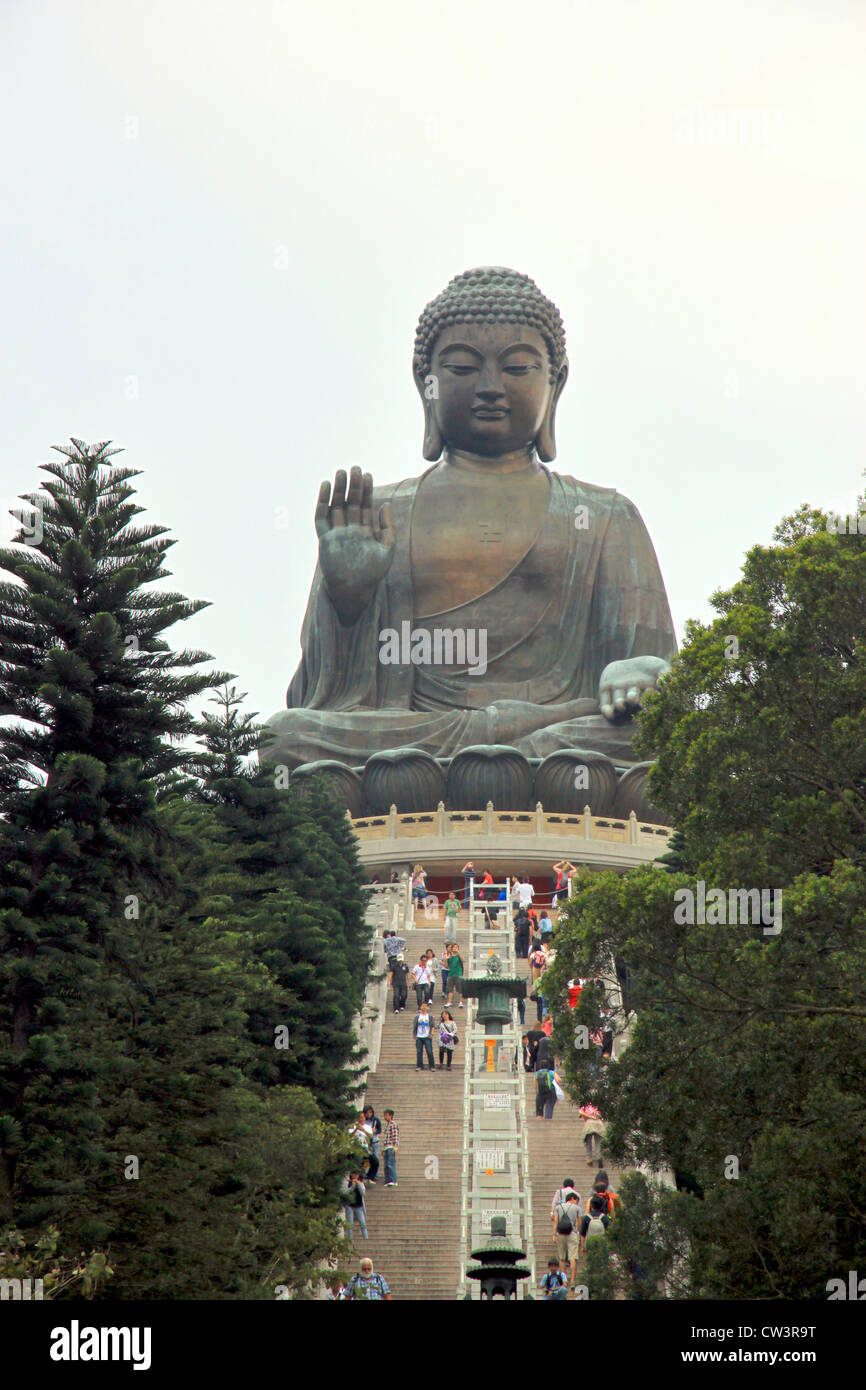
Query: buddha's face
column 493, row 383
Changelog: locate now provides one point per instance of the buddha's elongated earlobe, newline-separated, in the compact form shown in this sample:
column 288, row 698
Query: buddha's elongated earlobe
column 433, row 440
column 427, row 387
column 545, row 443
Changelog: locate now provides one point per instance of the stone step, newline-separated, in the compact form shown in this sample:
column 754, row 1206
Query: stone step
column 415, row 1228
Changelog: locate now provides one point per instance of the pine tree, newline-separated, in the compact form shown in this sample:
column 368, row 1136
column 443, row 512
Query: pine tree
column 100, row 698
column 235, row 1185
column 290, row 879
column 131, row 1117
column 675, row 858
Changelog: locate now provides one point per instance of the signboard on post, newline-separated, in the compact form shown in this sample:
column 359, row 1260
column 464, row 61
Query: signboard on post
column 497, row 1100
column 490, row 1158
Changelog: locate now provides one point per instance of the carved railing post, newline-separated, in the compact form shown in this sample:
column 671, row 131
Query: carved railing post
column 587, row 823
column 632, row 828
column 441, row 819
column 489, row 817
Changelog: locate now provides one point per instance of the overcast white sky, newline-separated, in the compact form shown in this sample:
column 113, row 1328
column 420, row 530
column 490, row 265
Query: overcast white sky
column 220, row 221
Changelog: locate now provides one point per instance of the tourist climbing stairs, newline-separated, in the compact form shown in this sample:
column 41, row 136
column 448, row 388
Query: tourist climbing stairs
column 420, row 1230
column 556, row 1151
column 414, row 1228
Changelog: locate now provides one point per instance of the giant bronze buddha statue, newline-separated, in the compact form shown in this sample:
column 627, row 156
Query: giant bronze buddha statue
column 490, row 601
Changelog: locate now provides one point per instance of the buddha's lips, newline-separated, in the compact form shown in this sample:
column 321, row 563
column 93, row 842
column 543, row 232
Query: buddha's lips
column 490, row 412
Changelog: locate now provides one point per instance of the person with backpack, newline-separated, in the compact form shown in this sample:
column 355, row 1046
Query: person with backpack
column 367, row 1285
column 562, row 1193
column 422, row 1030
column 566, row 1225
column 448, row 1038
column 546, row 1081
column 534, row 1037
column 609, row 1199
column 543, row 1053
column 386, row 942
column 393, row 945
column 401, row 983
column 554, row 1283
column 594, row 1223
column 354, row 1205
column 537, row 964
column 521, row 934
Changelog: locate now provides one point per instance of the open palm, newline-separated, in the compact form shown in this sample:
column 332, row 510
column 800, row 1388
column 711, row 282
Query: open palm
column 355, row 549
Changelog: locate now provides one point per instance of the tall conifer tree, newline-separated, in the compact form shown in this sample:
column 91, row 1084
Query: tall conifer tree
column 131, row 1113
column 290, row 879
column 100, row 699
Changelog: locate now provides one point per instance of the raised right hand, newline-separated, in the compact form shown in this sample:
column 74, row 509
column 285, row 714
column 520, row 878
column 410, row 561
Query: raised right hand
column 355, row 551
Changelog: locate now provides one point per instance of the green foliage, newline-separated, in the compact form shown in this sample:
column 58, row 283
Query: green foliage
column 760, row 727
column 39, row 1258
column 288, row 876
column 600, row 1270
column 743, row 1073
column 142, row 1114
column 78, row 829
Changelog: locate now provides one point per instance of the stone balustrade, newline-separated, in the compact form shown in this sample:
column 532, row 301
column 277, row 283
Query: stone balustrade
column 440, row 838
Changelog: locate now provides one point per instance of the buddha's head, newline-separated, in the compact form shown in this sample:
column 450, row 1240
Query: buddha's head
column 490, row 366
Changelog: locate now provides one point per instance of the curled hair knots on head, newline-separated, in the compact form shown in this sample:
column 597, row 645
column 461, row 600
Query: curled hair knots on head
column 490, row 295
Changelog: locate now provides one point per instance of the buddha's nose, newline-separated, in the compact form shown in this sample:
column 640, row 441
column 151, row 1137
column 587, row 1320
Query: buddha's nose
column 490, row 383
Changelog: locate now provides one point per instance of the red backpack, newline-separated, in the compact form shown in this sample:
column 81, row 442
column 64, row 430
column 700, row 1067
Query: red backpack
column 610, row 1200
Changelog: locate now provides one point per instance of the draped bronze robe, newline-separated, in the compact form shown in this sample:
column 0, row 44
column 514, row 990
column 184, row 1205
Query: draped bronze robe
column 582, row 595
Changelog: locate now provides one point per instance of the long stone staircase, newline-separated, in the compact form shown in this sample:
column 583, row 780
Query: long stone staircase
column 556, row 1151
column 414, row 1229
